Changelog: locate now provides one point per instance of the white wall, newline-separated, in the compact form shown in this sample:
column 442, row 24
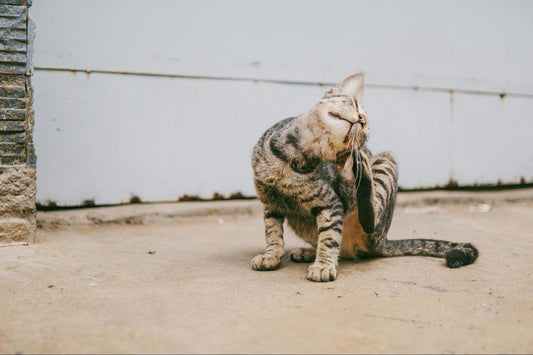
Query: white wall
column 164, row 98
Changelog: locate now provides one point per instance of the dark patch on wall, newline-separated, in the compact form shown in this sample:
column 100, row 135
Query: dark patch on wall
column 452, row 184
column 217, row 196
column 135, row 199
column 88, row 203
column 476, row 187
column 189, row 198
column 236, row 196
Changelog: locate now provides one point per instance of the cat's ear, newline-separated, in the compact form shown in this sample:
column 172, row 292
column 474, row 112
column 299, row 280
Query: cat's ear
column 351, row 86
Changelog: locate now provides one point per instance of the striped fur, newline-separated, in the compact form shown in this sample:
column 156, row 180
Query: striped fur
column 315, row 172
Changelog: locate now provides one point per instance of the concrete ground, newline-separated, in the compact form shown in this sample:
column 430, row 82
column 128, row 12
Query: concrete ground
column 176, row 278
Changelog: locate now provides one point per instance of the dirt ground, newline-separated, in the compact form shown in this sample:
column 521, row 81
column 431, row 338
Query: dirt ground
column 187, row 287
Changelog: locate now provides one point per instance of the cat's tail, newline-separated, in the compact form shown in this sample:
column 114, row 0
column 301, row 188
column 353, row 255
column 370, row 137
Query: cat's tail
column 456, row 254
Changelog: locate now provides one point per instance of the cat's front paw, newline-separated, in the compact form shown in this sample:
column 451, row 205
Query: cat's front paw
column 322, row 273
column 265, row 262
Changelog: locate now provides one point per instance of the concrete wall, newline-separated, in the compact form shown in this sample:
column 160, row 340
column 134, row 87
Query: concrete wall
column 159, row 99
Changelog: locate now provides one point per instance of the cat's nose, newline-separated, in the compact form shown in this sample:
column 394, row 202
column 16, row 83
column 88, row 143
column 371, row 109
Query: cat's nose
column 362, row 119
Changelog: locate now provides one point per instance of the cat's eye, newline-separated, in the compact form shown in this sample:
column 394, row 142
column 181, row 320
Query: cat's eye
column 334, row 115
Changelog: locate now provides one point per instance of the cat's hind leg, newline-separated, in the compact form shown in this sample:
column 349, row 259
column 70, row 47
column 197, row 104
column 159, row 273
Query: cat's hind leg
column 271, row 259
column 376, row 199
column 376, row 195
column 303, row 255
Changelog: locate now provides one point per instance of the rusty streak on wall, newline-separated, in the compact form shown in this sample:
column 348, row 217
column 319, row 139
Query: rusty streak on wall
column 17, row 154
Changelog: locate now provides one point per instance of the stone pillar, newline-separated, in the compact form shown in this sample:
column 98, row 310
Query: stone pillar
column 17, row 154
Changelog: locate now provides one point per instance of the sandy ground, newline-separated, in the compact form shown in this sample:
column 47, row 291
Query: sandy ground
column 187, row 287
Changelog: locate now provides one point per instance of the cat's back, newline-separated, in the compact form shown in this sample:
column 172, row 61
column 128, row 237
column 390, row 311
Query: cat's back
column 262, row 146
column 264, row 161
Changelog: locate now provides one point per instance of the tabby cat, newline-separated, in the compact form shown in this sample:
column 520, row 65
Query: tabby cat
column 316, row 172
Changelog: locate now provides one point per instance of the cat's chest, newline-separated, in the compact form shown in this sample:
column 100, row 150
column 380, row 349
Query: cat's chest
column 289, row 203
column 289, row 195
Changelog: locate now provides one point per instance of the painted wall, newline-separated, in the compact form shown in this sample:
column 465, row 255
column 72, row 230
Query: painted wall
column 164, row 98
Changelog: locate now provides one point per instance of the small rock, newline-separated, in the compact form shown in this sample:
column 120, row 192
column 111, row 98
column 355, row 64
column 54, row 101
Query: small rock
column 481, row 208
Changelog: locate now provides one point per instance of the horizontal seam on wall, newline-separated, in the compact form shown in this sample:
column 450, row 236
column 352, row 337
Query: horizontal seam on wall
column 284, row 82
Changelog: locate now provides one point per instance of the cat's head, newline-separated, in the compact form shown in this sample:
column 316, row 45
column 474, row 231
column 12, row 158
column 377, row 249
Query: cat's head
column 339, row 120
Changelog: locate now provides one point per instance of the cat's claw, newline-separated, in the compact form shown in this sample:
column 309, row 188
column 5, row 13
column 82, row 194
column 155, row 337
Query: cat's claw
column 265, row 262
column 322, row 273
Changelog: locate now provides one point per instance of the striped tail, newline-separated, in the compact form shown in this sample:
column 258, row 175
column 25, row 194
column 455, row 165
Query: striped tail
column 456, row 254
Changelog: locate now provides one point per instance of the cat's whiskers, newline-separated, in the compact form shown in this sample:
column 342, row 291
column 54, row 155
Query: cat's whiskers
column 354, row 104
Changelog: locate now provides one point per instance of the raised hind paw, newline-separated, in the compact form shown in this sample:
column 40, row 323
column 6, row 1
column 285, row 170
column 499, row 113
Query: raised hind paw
column 461, row 255
column 322, row 273
column 265, row 262
column 303, row 255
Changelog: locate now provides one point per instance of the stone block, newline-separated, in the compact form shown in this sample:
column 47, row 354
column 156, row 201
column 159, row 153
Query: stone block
column 17, row 153
column 14, row 229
